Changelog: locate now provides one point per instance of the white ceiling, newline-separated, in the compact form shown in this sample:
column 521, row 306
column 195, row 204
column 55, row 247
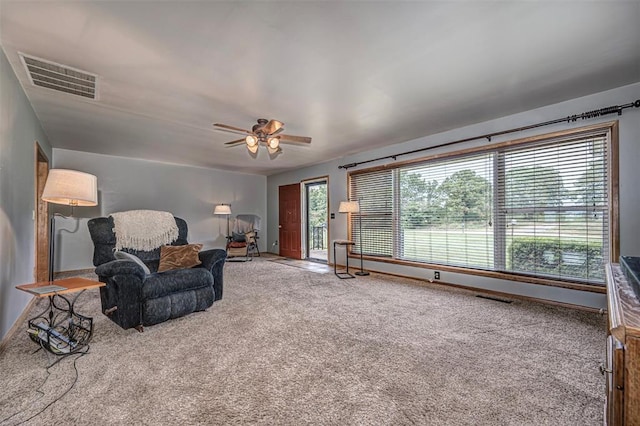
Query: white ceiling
column 352, row 75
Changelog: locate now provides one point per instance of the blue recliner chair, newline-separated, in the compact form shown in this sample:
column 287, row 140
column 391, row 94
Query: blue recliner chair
column 133, row 298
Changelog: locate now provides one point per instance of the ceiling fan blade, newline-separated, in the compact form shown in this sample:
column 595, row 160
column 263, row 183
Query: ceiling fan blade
column 232, row 129
column 281, row 129
column 272, row 126
column 236, row 142
column 292, row 138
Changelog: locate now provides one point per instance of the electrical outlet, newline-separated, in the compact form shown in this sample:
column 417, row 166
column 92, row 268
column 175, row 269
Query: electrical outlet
column 436, row 275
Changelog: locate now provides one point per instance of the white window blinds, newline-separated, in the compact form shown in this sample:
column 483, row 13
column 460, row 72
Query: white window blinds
column 374, row 191
column 554, row 204
column 445, row 212
column 539, row 209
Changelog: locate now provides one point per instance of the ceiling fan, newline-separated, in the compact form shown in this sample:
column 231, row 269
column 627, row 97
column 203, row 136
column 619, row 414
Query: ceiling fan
column 266, row 132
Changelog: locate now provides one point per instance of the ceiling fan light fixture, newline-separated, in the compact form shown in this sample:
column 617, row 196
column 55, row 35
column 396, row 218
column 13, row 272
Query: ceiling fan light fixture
column 266, row 132
column 272, row 150
column 273, row 143
column 253, row 148
column 251, row 141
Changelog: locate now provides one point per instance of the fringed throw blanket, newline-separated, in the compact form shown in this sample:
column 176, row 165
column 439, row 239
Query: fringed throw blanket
column 144, row 229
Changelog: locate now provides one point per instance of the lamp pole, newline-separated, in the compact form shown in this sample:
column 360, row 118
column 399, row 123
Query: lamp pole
column 52, row 244
column 224, row 209
column 361, row 272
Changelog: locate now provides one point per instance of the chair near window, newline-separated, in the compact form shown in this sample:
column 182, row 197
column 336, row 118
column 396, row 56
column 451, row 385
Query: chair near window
column 243, row 242
column 241, row 247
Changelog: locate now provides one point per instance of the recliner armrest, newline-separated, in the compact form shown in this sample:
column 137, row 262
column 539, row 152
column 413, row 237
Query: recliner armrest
column 211, row 258
column 213, row 261
column 120, row 267
column 121, row 298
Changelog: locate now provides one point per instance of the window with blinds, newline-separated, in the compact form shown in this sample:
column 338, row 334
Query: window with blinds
column 445, row 212
column 554, row 210
column 374, row 191
column 540, row 209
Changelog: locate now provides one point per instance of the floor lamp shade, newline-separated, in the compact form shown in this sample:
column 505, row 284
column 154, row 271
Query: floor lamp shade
column 71, row 188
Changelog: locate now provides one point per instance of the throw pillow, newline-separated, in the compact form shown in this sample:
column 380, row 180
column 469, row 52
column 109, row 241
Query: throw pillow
column 179, row 257
column 123, row 255
column 238, row 238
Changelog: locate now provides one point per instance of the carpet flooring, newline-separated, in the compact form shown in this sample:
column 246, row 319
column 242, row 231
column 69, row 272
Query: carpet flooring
column 288, row 346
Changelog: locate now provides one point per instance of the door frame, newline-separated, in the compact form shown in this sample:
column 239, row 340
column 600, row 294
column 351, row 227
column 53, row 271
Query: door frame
column 305, row 208
column 41, row 216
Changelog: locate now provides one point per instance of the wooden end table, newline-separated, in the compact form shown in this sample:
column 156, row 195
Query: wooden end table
column 60, row 329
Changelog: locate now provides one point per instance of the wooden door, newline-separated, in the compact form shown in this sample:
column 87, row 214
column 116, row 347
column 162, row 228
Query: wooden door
column 290, row 225
column 42, row 218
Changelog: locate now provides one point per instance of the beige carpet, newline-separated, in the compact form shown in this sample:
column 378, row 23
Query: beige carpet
column 289, row 346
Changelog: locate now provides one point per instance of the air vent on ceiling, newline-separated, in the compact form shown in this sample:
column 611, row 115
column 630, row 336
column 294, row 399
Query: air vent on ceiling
column 58, row 77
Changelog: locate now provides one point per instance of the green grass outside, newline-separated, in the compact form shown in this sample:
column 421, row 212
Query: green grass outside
column 450, row 247
column 474, row 247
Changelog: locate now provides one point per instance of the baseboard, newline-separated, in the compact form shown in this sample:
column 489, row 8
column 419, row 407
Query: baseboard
column 490, row 292
column 519, row 297
column 17, row 325
column 73, row 272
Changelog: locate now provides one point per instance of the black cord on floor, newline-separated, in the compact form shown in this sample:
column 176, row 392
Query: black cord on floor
column 38, row 390
column 32, row 402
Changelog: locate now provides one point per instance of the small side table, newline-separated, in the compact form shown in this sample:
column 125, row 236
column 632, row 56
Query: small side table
column 345, row 243
column 59, row 329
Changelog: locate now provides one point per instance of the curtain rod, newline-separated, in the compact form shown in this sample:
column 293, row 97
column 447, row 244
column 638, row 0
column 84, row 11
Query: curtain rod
column 572, row 118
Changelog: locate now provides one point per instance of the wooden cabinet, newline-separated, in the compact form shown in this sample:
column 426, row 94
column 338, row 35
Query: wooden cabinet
column 622, row 367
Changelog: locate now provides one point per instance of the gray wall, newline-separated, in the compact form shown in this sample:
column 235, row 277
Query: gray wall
column 19, row 129
column 129, row 184
column 629, row 181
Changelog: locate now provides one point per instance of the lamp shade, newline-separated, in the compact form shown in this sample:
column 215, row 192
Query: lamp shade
column 273, row 143
column 222, row 209
column 349, row 207
column 70, row 187
column 251, row 140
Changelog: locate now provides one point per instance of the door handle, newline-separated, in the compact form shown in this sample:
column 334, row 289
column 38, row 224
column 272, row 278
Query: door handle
column 279, row 226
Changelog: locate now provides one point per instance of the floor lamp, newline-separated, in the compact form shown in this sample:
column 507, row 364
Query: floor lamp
column 224, row 209
column 71, row 188
column 354, row 207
